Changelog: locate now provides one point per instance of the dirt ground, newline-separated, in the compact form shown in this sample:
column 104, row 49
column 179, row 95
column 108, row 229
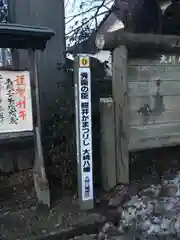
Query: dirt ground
column 22, row 218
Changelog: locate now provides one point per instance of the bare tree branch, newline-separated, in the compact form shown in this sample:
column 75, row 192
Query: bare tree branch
column 79, row 14
column 97, row 11
column 84, row 23
column 86, row 19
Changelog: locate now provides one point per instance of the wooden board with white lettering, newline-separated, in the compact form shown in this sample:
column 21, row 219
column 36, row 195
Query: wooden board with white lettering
column 154, row 100
column 155, row 60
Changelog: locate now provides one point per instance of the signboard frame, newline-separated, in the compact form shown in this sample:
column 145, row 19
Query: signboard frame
column 21, row 95
column 17, row 37
column 82, row 85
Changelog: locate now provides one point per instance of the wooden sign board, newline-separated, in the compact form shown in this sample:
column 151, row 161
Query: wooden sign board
column 154, row 107
column 15, row 102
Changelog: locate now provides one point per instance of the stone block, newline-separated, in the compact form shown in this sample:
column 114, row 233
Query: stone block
column 151, row 192
column 119, row 198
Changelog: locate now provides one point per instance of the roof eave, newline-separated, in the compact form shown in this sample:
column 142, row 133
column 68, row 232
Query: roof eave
column 24, row 37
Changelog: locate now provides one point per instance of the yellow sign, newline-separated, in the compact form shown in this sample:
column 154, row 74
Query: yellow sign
column 84, row 61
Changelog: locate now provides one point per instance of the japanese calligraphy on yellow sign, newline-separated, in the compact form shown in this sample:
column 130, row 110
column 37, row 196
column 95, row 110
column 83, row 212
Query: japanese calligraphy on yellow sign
column 84, row 61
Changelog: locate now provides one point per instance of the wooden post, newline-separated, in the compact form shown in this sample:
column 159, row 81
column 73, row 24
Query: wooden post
column 120, row 97
column 39, row 173
column 107, row 143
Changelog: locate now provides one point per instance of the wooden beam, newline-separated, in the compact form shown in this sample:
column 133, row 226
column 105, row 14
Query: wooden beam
column 119, row 92
column 112, row 40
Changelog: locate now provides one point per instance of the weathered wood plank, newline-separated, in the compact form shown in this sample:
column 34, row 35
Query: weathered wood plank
column 135, row 145
column 107, row 140
column 136, row 119
column 158, row 60
column 154, row 135
column 169, row 102
column 167, row 88
column 153, row 131
column 152, row 73
column 119, row 92
column 134, row 41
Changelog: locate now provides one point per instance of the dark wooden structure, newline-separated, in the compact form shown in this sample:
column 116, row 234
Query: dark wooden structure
column 136, row 42
column 140, row 16
column 30, row 39
column 146, row 93
column 39, row 14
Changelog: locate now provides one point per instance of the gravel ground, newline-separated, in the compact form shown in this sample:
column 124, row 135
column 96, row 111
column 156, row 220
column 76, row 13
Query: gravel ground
column 153, row 211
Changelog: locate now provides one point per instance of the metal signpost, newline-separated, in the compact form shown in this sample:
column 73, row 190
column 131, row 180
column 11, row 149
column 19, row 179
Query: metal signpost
column 82, row 76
